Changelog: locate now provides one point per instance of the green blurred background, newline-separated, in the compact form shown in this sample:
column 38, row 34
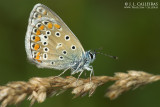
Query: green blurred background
column 131, row 34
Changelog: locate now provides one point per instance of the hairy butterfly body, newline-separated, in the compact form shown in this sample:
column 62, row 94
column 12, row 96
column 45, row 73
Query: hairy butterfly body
column 51, row 44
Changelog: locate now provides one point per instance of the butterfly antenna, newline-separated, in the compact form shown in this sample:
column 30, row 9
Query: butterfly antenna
column 98, row 49
column 114, row 57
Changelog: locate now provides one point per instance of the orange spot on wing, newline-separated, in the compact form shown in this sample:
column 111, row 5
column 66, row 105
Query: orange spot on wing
column 38, row 32
column 41, row 27
column 38, row 53
column 39, row 16
column 45, row 12
column 36, row 47
column 37, row 57
column 37, row 38
column 39, row 60
column 57, row 26
column 50, row 25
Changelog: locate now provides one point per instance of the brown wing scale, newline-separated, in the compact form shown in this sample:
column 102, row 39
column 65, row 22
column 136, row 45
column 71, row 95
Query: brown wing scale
column 52, row 43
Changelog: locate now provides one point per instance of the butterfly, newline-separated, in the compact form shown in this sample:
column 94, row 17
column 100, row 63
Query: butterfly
column 49, row 43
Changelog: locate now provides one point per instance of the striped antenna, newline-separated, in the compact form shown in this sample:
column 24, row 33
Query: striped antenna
column 114, row 57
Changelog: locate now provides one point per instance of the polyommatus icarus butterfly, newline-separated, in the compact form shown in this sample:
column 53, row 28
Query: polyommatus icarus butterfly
column 51, row 44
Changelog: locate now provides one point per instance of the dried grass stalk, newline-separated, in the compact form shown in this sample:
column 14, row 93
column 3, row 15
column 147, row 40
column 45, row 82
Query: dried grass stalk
column 38, row 89
column 131, row 80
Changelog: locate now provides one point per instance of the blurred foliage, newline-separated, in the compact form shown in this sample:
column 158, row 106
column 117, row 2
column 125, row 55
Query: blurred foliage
column 131, row 34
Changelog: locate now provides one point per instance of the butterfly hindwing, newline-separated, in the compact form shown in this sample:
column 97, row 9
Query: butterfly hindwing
column 49, row 42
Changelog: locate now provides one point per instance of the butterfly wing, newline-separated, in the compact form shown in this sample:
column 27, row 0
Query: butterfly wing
column 49, row 42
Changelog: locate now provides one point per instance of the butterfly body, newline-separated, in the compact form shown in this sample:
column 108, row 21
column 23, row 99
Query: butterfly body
column 51, row 44
column 84, row 63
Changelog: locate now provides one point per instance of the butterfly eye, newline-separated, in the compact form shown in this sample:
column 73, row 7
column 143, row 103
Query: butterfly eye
column 45, row 49
column 48, row 33
column 64, row 52
column 45, row 56
column 67, row 38
column 61, row 57
column 73, row 47
column 57, row 34
column 91, row 55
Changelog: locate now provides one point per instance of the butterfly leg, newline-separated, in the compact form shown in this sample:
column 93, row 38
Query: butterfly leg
column 75, row 71
column 63, row 72
column 90, row 68
column 85, row 74
column 91, row 72
column 79, row 76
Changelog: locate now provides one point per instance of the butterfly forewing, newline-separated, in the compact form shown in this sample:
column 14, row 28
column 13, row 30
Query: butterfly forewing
column 49, row 42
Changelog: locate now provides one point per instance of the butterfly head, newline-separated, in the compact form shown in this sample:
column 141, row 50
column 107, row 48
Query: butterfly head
column 90, row 56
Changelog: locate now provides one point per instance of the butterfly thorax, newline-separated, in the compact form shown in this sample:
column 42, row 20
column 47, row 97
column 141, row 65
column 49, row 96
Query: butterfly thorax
column 84, row 63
